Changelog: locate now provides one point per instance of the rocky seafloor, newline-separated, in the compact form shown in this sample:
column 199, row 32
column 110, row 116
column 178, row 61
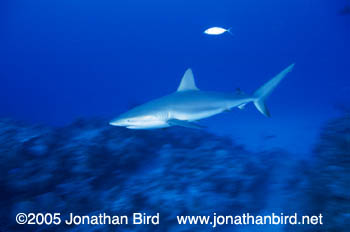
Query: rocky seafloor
column 90, row 167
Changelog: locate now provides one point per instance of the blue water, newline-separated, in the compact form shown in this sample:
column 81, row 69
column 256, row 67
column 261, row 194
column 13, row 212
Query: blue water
column 61, row 60
column 66, row 59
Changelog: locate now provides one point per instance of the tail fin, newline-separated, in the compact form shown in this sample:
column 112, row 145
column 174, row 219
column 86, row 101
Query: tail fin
column 264, row 91
column 229, row 31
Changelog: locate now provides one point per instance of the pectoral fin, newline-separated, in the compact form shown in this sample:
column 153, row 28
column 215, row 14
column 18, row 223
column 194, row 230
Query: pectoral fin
column 183, row 123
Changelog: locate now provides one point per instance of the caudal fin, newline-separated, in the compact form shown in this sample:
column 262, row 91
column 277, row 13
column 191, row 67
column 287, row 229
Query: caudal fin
column 264, row 91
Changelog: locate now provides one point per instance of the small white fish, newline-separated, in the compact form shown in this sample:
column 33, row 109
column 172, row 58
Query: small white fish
column 217, row 31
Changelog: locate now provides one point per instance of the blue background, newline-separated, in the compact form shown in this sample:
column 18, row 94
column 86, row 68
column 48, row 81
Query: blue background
column 66, row 59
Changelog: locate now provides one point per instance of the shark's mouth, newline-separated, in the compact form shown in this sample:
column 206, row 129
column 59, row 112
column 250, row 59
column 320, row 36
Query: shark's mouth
column 148, row 126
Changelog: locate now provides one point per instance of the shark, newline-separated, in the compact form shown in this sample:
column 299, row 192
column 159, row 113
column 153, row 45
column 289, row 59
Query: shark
column 186, row 106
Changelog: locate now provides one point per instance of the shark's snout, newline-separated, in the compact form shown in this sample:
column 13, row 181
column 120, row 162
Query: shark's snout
column 116, row 122
column 113, row 123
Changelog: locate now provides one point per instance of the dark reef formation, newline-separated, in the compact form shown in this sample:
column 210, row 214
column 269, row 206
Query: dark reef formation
column 89, row 167
column 328, row 179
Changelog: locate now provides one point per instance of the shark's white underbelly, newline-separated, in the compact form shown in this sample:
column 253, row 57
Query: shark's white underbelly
column 194, row 116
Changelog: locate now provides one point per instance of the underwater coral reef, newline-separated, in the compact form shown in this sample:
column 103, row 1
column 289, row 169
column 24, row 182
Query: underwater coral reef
column 89, row 167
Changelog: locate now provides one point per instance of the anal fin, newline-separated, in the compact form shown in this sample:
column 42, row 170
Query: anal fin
column 241, row 107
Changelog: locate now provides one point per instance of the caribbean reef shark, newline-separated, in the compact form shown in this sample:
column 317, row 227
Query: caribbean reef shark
column 189, row 104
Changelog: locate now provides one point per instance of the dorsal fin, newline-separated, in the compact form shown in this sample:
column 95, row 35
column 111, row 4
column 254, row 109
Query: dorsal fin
column 187, row 82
